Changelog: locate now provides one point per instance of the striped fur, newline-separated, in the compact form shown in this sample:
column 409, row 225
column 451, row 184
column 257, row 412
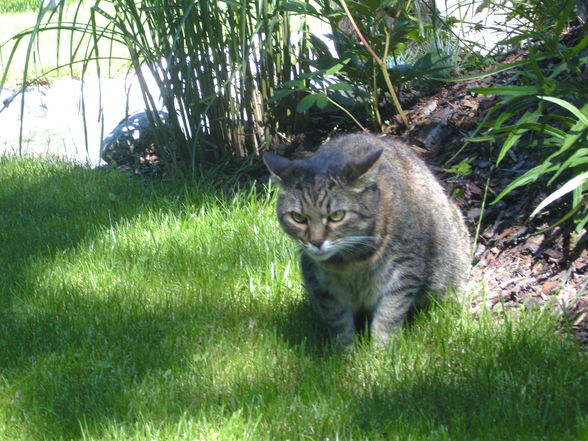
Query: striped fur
column 377, row 233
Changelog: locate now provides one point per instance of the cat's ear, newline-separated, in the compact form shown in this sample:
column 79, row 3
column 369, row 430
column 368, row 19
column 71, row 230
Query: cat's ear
column 277, row 165
column 364, row 168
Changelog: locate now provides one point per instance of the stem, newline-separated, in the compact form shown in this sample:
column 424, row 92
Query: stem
column 382, row 64
column 375, row 101
column 347, row 112
column 384, row 69
column 479, row 223
column 358, row 32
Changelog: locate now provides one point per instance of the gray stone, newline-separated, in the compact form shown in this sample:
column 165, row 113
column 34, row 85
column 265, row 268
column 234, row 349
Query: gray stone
column 131, row 140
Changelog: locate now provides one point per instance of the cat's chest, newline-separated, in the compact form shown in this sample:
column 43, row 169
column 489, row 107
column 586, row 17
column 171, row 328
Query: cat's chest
column 358, row 289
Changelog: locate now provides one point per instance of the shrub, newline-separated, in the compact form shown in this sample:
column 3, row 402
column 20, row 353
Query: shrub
column 544, row 107
column 380, row 47
column 215, row 63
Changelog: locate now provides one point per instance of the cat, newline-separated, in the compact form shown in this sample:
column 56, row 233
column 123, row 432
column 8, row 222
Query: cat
column 377, row 234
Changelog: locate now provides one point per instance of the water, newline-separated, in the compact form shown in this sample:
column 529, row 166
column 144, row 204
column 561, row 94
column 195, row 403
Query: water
column 67, row 119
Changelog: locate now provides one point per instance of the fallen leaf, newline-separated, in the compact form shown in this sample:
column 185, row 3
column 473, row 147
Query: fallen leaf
column 549, row 286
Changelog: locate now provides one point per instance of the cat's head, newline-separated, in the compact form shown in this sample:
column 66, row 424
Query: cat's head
column 328, row 203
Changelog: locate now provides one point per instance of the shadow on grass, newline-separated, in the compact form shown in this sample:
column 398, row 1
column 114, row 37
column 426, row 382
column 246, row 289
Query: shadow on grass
column 517, row 389
column 75, row 358
column 50, row 208
column 88, row 363
column 300, row 326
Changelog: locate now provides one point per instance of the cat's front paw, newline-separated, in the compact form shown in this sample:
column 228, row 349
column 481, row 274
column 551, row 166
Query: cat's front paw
column 343, row 341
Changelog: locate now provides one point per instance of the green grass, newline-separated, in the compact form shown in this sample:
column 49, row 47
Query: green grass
column 167, row 312
column 45, row 59
column 15, row 6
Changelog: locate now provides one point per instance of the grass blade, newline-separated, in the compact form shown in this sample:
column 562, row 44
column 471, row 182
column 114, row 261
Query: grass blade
column 569, row 107
column 569, row 186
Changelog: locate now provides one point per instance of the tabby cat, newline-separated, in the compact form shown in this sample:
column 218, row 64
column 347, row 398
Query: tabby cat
column 377, row 233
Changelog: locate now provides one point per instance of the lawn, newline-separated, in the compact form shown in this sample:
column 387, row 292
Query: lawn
column 55, row 49
column 167, row 311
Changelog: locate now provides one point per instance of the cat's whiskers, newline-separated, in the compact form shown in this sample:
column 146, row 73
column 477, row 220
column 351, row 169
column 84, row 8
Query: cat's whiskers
column 351, row 243
column 348, row 243
column 344, row 246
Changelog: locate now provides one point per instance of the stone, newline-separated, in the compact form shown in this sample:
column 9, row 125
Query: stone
column 131, row 140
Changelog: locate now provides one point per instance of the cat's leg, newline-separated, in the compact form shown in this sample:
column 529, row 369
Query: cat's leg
column 337, row 317
column 389, row 314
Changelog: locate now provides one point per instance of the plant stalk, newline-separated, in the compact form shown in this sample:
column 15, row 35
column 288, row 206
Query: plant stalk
column 381, row 63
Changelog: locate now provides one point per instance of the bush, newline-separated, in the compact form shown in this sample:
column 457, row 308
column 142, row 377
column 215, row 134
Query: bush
column 381, row 47
column 216, row 63
column 544, row 107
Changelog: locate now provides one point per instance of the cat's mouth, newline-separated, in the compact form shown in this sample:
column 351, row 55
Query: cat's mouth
column 322, row 252
column 349, row 248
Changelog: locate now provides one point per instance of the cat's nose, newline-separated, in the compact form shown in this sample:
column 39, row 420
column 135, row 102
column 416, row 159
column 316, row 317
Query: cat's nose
column 317, row 242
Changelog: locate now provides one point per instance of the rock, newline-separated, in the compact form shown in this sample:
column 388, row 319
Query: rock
column 132, row 139
column 534, row 243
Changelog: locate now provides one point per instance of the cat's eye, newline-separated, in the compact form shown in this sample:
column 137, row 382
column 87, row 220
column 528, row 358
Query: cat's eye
column 336, row 216
column 299, row 218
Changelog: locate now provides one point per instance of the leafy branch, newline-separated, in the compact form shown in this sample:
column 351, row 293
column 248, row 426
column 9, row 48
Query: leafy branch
column 381, row 62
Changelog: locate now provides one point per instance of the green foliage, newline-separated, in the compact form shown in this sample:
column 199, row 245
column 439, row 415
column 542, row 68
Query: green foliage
column 167, row 312
column 463, row 168
column 545, row 108
column 320, row 92
column 216, row 63
column 393, row 46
